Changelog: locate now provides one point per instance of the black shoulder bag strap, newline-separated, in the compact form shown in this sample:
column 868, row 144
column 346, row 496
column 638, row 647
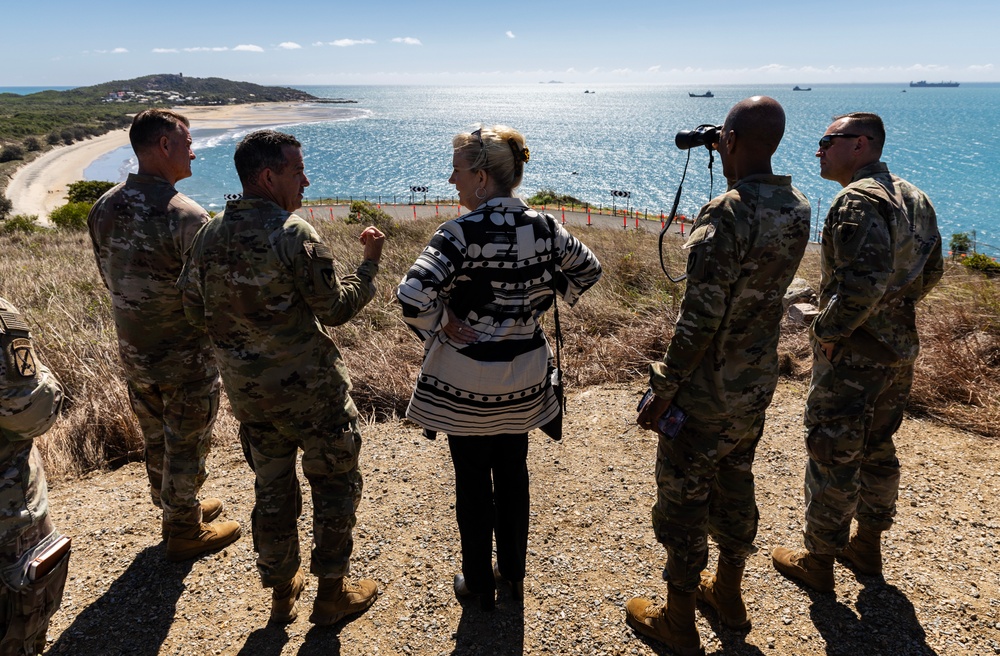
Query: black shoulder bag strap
column 555, row 309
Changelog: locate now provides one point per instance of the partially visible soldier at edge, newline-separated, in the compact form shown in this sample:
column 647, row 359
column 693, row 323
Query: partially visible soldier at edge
column 30, row 398
column 881, row 253
column 721, row 369
column 140, row 230
column 263, row 283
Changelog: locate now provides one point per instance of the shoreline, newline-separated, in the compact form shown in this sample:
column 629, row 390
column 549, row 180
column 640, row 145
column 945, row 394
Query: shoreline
column 40, row 186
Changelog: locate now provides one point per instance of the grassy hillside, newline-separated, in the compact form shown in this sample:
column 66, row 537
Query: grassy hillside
column 617, row 327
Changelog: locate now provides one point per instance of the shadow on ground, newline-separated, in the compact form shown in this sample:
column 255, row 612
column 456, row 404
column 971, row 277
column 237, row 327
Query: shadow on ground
column 132, row 617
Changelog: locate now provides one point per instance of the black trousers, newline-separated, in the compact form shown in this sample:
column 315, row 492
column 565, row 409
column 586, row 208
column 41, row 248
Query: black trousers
column 491, row 497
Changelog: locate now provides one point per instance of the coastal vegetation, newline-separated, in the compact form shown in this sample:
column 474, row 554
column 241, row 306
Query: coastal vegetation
column 35, row 122
column 610, row 336
column 548, row 197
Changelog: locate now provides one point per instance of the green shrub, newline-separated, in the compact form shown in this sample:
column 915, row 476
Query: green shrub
column 981, row 262
column 11, row 152
column 5, row 207
column 23, row 223
column 365, row 213
column 71, row 216
column 32, row 144
column 549, row 197
column 87, row 191
column 54, row 138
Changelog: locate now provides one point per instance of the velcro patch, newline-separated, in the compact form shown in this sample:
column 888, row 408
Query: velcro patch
column 700, row 235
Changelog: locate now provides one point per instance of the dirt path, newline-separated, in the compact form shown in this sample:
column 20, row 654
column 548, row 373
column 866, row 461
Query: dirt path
column 591, row 548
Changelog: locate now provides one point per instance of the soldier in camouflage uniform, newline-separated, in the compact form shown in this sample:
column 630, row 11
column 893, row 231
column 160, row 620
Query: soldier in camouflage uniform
column 30, row 398
column 721, row 369
column 262, row 283
column 140, row 230
column 881, row 254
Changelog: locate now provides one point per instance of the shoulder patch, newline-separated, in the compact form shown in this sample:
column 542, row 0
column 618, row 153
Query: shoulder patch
column 700, row 235
column 21, row 358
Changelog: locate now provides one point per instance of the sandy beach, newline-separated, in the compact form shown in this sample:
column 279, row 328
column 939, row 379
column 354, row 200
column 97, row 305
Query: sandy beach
column 40, row 186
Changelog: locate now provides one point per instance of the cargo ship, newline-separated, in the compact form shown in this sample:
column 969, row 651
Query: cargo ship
column 925, row 83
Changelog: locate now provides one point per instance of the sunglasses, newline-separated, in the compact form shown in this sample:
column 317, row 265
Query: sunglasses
column 827, row 139
column 478, row 134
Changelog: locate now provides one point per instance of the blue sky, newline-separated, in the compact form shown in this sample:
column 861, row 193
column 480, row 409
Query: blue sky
column 58, row 42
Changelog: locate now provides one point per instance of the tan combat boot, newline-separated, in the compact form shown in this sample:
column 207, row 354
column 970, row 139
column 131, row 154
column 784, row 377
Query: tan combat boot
column 814, row 570
column 338, row 598
column 722, row 592
column 864, row 551
column 186, row 542
column 210, row 510
column 672, row 624
column 283, row 598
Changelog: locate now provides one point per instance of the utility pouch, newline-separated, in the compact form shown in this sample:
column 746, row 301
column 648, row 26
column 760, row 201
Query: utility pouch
column 32, row 591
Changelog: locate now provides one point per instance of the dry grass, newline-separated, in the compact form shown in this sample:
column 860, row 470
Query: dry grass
column 617, row 327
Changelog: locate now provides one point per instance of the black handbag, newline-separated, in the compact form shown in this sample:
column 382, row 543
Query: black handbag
column 554, row 427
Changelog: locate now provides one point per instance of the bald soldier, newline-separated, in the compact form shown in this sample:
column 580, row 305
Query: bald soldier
column 140, row 230
column 881, row 254
column 718, row 376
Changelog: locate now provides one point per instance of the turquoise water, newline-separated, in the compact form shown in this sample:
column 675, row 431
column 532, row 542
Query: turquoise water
column 24, row 91
column 946, row 141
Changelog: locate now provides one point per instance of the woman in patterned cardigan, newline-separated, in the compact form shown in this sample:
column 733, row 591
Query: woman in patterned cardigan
column 475, row 297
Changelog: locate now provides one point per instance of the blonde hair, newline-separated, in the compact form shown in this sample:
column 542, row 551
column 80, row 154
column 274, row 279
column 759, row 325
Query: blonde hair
column 502, row 154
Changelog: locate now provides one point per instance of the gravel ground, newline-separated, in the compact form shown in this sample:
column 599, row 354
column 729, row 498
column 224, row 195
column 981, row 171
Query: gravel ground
column 591, row 548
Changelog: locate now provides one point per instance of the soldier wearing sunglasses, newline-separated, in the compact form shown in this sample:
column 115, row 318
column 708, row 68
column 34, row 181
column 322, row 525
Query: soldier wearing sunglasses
column 881, row 253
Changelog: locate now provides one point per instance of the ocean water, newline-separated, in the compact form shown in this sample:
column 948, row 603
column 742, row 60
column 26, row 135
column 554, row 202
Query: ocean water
column 946, row 141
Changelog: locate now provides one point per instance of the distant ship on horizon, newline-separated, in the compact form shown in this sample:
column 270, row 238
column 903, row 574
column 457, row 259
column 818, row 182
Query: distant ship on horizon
column 925, row 83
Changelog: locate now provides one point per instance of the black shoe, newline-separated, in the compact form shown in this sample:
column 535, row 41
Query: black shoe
column 487, row 601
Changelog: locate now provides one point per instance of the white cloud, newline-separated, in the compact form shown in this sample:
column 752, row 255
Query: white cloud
column 248, row 48
column 207, row 49
column 164, row 50
column 653, row 69
column 983, row 68
column 346, row 43
column 289, row 45
column 510, row 35
column 318, row 43
column 116, row 51
column 622, row 71
column 407, row 40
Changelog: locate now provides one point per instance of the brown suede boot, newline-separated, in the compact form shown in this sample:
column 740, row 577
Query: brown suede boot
column 186, row 542
column 338, row 598
column 864, row 551
column 283, row 598
column 672, row 624
column 722, row 592
column 210, row 509
column 814, row 570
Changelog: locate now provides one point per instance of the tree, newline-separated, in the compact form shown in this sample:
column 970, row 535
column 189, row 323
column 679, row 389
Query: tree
column 87, row 191
column 5, row 207
column 32, row 144
column 960, row 244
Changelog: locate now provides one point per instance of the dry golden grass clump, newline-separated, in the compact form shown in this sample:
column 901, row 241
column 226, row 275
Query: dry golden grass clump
column 610, row 336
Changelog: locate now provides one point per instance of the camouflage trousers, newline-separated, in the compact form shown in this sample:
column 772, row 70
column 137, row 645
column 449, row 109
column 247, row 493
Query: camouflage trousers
column 330, row 464
column 176, row 423
column 853, row 409
column 705, row 486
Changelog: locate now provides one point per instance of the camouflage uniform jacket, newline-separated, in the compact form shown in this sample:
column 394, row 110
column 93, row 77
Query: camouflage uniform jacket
column 873, row 268
column 30, row 398
column 745, row 247
column 140, row 230
column 262, row 283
